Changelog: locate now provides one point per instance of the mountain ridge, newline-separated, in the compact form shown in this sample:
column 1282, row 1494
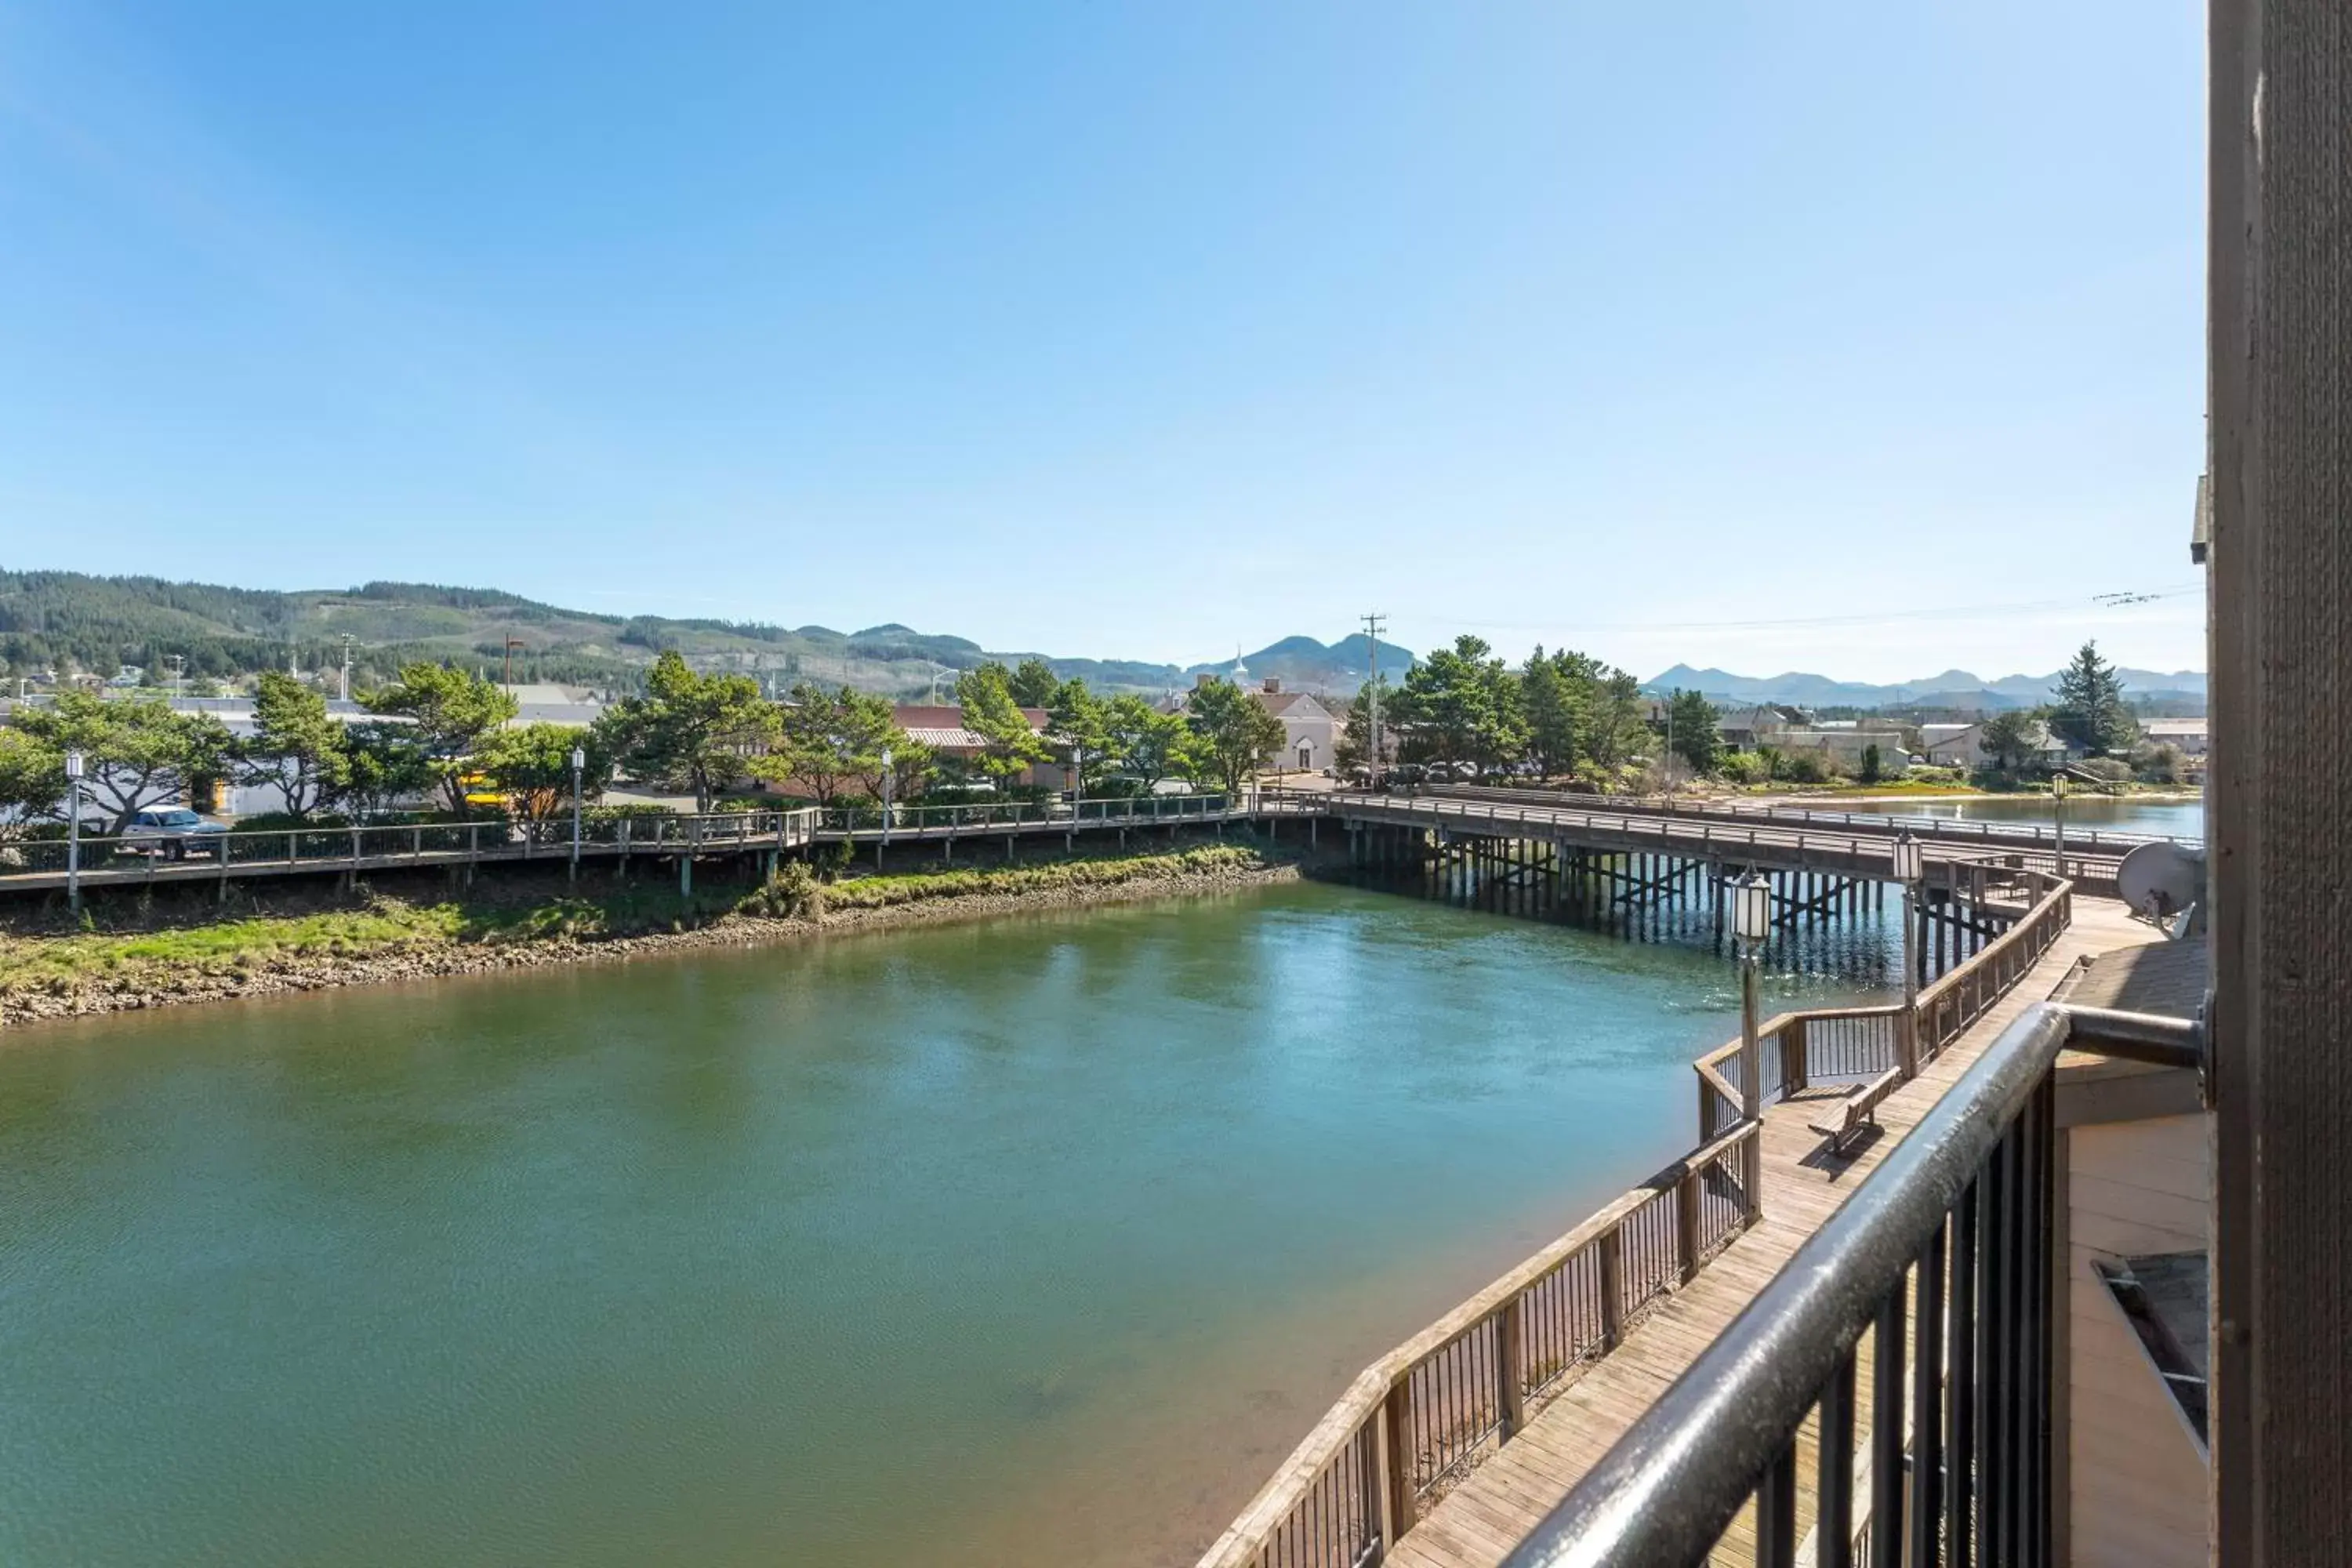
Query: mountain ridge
column 1951, row 688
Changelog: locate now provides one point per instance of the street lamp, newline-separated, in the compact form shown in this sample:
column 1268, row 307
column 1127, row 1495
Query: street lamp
column 2058, row 796
column 887, row 778
column 579, row 766
column 73, row 831
column 1751, row 922
column 1910, row 865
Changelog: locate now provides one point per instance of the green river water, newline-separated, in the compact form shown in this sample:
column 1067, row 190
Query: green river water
column 1034, row 1242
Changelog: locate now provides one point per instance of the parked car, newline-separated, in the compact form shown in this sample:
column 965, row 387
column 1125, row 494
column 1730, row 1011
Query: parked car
column 175, row 832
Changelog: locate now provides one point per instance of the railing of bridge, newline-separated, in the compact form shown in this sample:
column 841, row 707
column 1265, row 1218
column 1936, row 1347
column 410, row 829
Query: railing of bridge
column 1948, row 1257
column 603, row 832
column 980, row 817
column 1959, row 830
column 1797, row 1051
column 1422, row 1416
column 381, row 845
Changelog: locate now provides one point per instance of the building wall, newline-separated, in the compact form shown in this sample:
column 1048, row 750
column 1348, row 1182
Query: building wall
column 2137, row 1477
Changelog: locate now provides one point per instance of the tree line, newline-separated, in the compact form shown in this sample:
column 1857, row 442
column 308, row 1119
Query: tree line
column 446, row 733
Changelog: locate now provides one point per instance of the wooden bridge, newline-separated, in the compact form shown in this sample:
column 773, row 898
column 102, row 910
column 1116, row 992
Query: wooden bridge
column 1448, row 1452
column 653, row 838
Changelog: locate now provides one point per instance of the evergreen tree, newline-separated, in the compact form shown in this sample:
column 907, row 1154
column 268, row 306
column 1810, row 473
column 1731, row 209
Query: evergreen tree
column 2091, row 712
column 1692, row 731
column 992, row 712
column 295, row 746
column 1033, row 684
column 689, row 730
column 1557, row 699
column 451, row 712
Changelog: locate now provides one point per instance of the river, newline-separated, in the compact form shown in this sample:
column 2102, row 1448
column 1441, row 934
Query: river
column 2124, row 814
column 1035, row 1241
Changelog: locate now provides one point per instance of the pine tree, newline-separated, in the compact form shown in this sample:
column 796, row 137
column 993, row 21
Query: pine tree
column 2091, row 711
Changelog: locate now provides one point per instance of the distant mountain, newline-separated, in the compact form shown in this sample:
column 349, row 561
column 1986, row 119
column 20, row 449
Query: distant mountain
column 1952, row 688
column 1302, row 664
column 76, row 622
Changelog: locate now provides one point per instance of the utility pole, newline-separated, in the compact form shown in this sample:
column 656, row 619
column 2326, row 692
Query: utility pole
column 1373, row 626
column 343, row 691
column 179, row 665
column 512, row 644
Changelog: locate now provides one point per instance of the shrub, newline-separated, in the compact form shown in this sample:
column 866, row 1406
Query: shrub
column 2107, row 769
column 793, row 893
column 1806, row 768
column 2165, row 765
column 1746, row 768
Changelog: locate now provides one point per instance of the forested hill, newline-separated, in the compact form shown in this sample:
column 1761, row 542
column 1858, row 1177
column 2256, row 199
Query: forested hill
column 71, row 621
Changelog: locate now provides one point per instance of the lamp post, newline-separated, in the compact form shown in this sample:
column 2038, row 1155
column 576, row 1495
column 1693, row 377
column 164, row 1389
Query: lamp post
column 2058, row 798
column 578, row 765
column 1751, row 912
column 1909, row 865
column 1751, row 922
column 73, row 831
column 886, row 781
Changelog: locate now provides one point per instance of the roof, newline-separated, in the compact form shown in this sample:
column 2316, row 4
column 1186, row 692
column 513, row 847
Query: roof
column 2174, row 726
column 946, row 737
column 1280, row 703
column 913, row 716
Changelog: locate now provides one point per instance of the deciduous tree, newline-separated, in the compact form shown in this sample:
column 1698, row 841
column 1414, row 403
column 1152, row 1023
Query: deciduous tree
column 1232, row 732
column 32, row 781
column 1150, row 745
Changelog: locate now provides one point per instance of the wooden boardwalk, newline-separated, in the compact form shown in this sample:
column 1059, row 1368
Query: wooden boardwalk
column 1490, row 1512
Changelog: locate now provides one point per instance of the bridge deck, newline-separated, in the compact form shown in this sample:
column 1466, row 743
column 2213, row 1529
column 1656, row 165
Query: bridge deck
column 1493, row 1509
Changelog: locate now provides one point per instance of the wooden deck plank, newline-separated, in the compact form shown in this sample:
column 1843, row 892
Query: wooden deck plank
column 1472, row 1528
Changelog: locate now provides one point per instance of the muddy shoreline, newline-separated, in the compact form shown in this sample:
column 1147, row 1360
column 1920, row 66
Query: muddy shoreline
column 287, row 974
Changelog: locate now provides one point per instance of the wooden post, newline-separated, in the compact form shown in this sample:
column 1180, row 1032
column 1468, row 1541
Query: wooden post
column 1751, row 1171
column 1687, row 1224
column 1511, row 1396
column 1613, row 1286
column 1793, row 1073
column 1396, row 1470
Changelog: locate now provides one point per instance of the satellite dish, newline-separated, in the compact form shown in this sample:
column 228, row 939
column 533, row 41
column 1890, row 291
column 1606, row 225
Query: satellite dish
column 2159, row 880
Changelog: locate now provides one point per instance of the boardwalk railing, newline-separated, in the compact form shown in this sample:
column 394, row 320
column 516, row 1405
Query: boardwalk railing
column 1954, row 1238
column 1797, row 1051
column 1422, row 1416
column 1979, row 831
column 109, row 857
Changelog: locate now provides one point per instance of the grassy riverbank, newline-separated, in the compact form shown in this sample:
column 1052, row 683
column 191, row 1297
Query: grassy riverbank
column 157, row 951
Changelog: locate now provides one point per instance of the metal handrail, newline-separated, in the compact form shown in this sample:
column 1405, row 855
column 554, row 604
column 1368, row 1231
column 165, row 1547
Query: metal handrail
column 1665, row 1493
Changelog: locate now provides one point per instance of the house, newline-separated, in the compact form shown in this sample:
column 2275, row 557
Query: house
column 941, row 727
column 1310, row 730
column 1962, row 746
column 1847, row 744
column 1746, row 728
column 2188, row 734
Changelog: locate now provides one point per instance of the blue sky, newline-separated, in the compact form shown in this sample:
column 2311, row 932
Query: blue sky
column 1854, row 337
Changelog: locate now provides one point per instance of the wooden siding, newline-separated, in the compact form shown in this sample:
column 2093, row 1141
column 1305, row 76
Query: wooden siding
column 2137, row 1477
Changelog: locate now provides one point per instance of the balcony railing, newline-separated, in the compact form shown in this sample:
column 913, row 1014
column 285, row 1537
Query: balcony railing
column 1945, row 1255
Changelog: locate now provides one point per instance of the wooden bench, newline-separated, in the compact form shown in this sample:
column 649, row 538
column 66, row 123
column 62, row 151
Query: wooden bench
column 1843, row 1119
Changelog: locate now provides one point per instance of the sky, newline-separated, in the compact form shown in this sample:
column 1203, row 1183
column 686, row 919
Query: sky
column 1850, row 337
